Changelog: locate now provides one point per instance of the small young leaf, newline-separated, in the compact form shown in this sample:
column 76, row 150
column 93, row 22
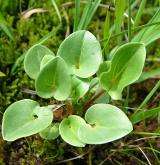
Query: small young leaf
column 79, row 87
column 24, row 118
column 104, row 67
column 69, row 129
column 126, row 68
column 51, row 132
column 45, row 60
column 82, row 52
column 106, row 123
column 33, row 59
column 54, row 80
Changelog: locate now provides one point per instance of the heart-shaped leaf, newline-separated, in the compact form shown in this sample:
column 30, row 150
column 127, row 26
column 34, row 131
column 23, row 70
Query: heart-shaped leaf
column 79, row 87
column 126, row 67
column 69, row 130
column 33, row 58
column 106, row 123
column 82, row 52
column 54, row 80
column 24, row 118
column 51, row 132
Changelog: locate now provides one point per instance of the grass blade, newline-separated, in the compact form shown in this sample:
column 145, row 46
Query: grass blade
column 148, row 75
column 106, row 32
column 119, row 12
column 139, row 13
column 77, row 14
column 4, row 26
column 57, row 10
column 151, row 93
column 150, row 34
column 84, row 15
column 142, row 115
column 89, row 10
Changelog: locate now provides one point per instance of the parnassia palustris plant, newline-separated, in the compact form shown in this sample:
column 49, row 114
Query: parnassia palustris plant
column 68, row 77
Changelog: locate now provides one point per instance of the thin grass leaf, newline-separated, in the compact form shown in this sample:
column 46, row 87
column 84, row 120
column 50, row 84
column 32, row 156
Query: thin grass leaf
column 106, row 33
column 89, row 10
column 150, row 34
column 57, row 10
column 142, row 115
column 119, row 12
column 84, row 15
column 148, row 75
column 77, row 14
column 5, row 27
column 139, row 13
column 151, row 93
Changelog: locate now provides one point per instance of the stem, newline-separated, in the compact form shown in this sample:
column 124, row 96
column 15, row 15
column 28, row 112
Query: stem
column 89, row 102
column 90, row 156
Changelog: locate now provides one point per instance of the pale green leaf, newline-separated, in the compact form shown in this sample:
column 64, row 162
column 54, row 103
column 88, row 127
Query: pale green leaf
column 79, row 87
column 24, row 118
column 126, row 67
column 51, row 132
column 104, row 67
column 69, row 129
column 106, row 123
column 33, row 59
column 82, row 52
column 54, row 80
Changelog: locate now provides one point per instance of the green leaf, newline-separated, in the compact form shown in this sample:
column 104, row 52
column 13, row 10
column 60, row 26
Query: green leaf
column 79, row 87
column 139, row 13
column 51, row 132
column 106, row 123
column 69, row 129
column 104, row 67
column 148, row 75
column 126, row 68
column 57, row 10
column 5, row 27
column 54, row 80
column 2, row 74
column 119, row 11
column 82, row 52
column 150, row 34
column 104, row 98
column 45, row 60
column 33, row 59
column 88, row 12
column 142, row 115
column 24, row 118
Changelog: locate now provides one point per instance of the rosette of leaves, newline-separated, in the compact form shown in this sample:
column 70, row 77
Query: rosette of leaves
column 69, row 74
